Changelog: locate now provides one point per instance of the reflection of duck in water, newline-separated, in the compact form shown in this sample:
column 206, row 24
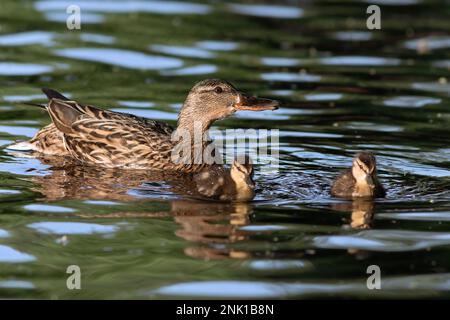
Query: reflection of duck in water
column 205, row 224
column 67, row 180
column 111, row 139
column 71, row 181
column 359, row 181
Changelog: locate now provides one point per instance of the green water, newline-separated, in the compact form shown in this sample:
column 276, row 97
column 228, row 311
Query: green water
column 343, row 88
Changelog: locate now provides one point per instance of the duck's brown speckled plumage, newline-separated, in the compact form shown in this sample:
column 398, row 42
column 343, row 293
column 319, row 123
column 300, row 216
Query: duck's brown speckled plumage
column 111, row 139
column 49, row 140
column 115, row 139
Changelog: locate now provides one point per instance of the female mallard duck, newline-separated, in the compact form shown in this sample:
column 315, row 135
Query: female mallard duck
column 111, row 139
column 235, row 184
column 359, row 181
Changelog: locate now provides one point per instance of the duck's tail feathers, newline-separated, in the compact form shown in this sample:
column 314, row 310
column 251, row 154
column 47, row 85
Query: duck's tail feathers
column 53, row 94
column 21, row 146
column 43, row 106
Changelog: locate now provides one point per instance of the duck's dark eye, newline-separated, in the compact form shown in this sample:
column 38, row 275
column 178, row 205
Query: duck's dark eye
column 218, row 90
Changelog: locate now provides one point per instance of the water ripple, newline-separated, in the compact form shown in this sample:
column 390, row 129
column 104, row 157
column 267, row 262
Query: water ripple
column 323, row 96
column 416, row 216
column 97, row 38
column 189, row 71
column 273, row 265
column 410, row 101
column 19, row 130
column 384, row 240
column 16, row 284
column 4, row 233
column 8, row 191
column 290, row 77
column 72, row 228
column 47, row 208
column 10, row 255
column 423, row 285
column 359, row 61
column 432, row 86
column 190, row 52
column 216, row 45
column 23, row 69
column 161, row 7
column 428, row 43
column 280, row 62
column 122, row 58
column 268, row 11
column 353, row 35
column 136, row 104
column 393, row 2
column 27, row 38
column 88, row 18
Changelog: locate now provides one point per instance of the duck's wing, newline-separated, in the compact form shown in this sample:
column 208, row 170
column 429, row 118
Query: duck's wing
column 104, row 114
column 111, row 139
column 344, row 185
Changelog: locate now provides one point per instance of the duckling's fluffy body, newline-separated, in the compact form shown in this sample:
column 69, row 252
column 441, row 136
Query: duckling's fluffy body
column 359, row 181
column 234, row 184
column 346, row 186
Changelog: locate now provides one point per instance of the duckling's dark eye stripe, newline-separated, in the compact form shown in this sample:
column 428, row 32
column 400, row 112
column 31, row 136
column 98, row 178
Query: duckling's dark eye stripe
column 361, row 167
column 240, row 169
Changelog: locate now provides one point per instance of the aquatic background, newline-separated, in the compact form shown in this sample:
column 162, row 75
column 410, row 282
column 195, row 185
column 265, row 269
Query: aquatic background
column 343, row 88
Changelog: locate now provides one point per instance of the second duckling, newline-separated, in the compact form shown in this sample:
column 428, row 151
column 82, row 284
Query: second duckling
column 359, row 181
column 234, row 184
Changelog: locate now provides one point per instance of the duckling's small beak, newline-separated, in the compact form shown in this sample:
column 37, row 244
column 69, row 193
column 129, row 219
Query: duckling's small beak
column 244, row 102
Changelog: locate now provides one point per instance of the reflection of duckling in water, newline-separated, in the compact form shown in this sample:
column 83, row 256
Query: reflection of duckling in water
column 362, row 212
column 234, row 184
column 359, row 181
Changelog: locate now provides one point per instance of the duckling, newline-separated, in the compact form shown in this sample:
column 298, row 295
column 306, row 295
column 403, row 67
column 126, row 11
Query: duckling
column 235, row 184
column 359, row 181
column 111, row 139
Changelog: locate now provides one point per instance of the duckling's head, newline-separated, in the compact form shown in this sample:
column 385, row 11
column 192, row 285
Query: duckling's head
column 242, row 167
column 214, row 99
column 242, row 174
column 364, row 167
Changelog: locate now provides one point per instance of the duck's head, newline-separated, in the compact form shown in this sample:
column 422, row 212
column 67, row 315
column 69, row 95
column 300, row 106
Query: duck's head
column 364, row 167
column 213, row 99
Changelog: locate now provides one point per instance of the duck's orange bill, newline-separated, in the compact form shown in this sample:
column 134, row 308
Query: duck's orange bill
column 255, row 104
